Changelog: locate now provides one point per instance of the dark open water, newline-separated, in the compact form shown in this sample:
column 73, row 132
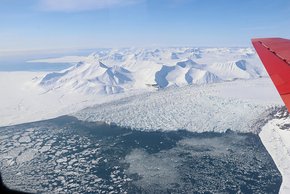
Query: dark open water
column 68, row 155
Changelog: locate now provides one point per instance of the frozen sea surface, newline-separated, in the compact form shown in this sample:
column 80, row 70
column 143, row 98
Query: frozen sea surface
column 65, row 155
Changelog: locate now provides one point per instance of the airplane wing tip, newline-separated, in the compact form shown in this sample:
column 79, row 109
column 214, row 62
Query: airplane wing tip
column 275, row 55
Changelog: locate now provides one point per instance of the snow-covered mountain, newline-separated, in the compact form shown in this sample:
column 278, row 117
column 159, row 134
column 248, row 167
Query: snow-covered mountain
column 89, row 78
column 239, row 69
column 184, row 73
column 110, row 71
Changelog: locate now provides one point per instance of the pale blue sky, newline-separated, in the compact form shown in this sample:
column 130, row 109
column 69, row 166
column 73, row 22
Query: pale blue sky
column 70, row 24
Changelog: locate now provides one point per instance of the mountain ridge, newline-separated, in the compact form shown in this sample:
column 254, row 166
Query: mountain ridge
column 115, row 71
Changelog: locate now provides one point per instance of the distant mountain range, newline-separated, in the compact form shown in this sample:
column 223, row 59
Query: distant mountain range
column 111, row 71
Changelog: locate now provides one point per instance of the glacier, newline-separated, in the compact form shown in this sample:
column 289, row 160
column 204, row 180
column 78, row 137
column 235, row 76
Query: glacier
column 275, row 136
column 193, row 108
column 111, row 74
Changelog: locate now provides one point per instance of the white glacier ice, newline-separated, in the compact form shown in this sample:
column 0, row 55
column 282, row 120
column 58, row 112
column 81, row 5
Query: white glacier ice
column 194, row 108
column 275, row 136
column 110, row 74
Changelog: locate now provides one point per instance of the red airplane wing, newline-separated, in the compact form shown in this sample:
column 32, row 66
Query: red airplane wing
column 275, row 55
